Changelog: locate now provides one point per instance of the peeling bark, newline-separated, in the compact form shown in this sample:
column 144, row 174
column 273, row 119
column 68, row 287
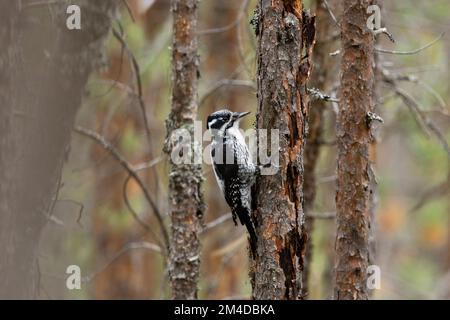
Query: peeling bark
column 43, row 70
column 185, row 196
column 353, row 140
column 322, row 78
column 285, row 37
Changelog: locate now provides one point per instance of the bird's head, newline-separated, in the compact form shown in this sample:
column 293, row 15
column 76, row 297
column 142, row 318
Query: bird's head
column 222, row 120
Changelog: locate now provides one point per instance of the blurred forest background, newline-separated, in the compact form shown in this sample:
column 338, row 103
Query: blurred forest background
column 92, row 226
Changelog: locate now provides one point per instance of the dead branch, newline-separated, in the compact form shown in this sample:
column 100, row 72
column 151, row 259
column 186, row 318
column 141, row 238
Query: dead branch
column 232, row 25
column 80, row 211
column 322, row 215
column 383, row 31
column 130, row 12
column 421, row 118
column 134, row 213
column 440, row 190
column 147, row 165
column 411, row 52
column 129, row 169
column 137, row 75
column 316, row 94
column 210, row 225
column 325, row 2
column 224, row 83
column 128, row 247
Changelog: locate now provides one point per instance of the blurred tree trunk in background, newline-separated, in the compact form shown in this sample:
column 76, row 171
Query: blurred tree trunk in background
column 285, row 36
column 353, row 140
column 322, row 78
column 44, row 68
column 221, row 61
column 185, row 197
column 373, row 195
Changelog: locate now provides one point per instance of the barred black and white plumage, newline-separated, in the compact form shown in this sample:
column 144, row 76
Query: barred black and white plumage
column 233, row 166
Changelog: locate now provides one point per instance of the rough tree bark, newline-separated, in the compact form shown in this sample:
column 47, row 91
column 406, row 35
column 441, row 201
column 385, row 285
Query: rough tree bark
column 353, row 140
column 285, row 36
column 185, row 196
column 43, row 70
column 322, row 78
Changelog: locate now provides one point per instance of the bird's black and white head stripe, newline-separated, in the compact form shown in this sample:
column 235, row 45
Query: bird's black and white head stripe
column 218, row 119
column 223, row 119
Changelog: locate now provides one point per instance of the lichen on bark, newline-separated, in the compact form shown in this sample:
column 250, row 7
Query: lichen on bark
column 185, row 196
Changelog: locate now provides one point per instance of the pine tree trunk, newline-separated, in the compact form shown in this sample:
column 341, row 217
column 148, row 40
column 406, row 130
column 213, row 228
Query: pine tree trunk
column 44, row 68
column 322, row 78
column 353, row 140
column 185, row 196
column 285, row 36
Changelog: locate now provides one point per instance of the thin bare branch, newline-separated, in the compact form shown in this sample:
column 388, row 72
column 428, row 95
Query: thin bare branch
column 380, row 50
column 130, row 12
column 426, row 86
column 327, row 179
column 422, row 118
column 80, row 211
column 414, row 106
column 210, row 225
column 224, row 83
column 230, row 26
column 316, row 94
column 440, row 190
column 325, row 2
column 130, row 246
column 137, row 74
column 322, row 215
column 129, row 169
column 383, row 31
column 146, row 165
column 134, row 213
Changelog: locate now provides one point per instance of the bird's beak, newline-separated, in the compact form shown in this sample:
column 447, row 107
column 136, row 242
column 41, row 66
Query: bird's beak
column 239, row 115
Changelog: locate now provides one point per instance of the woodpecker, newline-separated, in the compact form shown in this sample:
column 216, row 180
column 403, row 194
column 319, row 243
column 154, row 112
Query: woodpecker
column 233, row 166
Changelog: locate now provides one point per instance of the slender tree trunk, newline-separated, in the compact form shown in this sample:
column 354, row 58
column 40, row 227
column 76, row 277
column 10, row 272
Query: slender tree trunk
column 185, row 196
column 221, row 61
column 353, row 139
column 44, row 68
column 322, row 78
column 285, row 36
column 373, row 153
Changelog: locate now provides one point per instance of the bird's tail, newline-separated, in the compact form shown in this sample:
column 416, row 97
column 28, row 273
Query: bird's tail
column 253, row 238
column 244, row 217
